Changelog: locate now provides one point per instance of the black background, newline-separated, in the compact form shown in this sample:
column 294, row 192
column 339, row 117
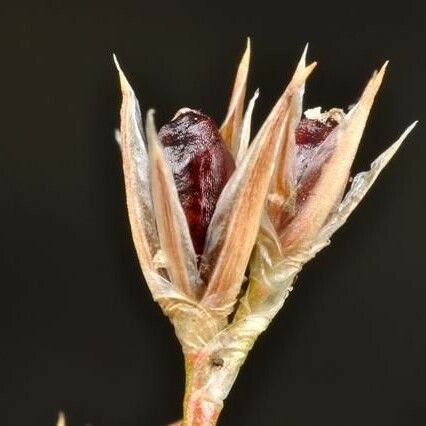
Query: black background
column 78, row 328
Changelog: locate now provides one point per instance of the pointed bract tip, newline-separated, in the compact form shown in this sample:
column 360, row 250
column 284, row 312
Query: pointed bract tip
column 305, row 51
column 411, row 127
column 370, row 91
column 117, row 64
column 383, row 69
column 302, row 61
column 379, row 74
column 402, row 138
column 125, row 86
column 114, row 57
column 386, row 156
column 300, row 76
column 247, row 52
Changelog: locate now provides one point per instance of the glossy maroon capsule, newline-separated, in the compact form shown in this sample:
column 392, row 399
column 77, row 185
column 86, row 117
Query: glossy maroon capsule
column 313, row 132
column 309, row 135
column 201, row 166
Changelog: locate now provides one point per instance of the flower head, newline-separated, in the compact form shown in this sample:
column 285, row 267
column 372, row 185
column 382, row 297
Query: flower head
column 207, row 205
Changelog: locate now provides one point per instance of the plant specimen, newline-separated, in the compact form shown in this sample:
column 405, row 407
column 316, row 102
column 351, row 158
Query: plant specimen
column 223, row 222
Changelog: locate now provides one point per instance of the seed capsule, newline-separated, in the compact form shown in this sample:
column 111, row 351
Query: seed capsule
column 313, row 132
column 310, row 133
column 201, row 166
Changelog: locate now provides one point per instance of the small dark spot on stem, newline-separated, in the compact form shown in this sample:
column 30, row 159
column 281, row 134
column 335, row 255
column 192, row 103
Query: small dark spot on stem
column 216, row 361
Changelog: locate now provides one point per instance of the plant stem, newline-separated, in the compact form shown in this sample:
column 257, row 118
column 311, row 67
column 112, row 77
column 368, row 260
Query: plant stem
column 199, row 408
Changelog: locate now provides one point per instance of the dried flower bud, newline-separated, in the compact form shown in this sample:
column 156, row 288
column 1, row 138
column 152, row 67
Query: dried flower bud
column 201, row 166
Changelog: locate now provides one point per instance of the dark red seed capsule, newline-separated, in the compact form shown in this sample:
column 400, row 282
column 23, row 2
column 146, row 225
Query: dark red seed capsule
column 313, row 132
column 309, row 135
column 201, row 166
